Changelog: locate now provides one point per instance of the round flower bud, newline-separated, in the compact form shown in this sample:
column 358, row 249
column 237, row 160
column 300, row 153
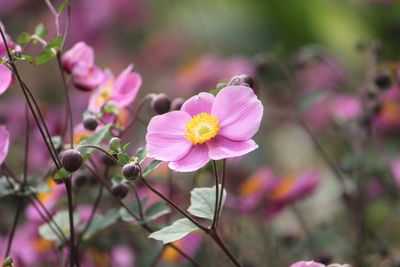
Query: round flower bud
column 382, row 80
column 177, row 103
column 131, row 171
column 115, row 143
column 161, row 103
column 90, row 123
column 120, row 190
column 71, row 160
column 244, row 80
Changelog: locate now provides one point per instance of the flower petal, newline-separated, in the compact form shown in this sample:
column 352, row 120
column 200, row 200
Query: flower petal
column 165, row 136
column 199, row 103
column 6, row 79
column 4, row 143
column 222, row 148
column 239, row 112
column 194, row 160
column 126, row 93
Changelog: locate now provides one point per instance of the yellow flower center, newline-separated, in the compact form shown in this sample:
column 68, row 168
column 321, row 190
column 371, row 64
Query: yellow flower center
column 202, row 128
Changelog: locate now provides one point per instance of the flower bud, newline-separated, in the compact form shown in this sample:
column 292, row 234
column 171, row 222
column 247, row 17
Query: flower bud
column 177, row 103
column 161, row 103
column 131, row 171
column 120, row 190
column 382, row 80
column 115, row 143
column 90, row 123
column 8, row 262
column 244, row 80
column 71, row 160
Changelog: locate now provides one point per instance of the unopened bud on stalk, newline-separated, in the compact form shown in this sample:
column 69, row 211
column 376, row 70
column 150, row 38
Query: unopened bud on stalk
column 243, row 79
column 131, row 171
column 71, row 160
column 382, row 79
column 161, row 103
column 120, row 190
column 90, row 123
column 115, row 143
column 177, row 103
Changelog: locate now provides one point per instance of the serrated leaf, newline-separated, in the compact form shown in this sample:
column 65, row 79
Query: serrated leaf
column 100, row 222
column 24, row 38
column 63, row 5
column 61, row 174
column 61, row 219
column 132, row 206
column 95, row 139
column 157, row 210
column 41, row 30
column 151, row 167
column 141, row 154
column 175, row 231
column 202, row 202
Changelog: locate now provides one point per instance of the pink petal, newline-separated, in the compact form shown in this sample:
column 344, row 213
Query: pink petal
column 165, row 136
column 194, row 160
column 6, row 79
column 199, row 103
column 126, row 93
column 395, row 168
column 4, row 143
column 239, row 112
column 222, row 148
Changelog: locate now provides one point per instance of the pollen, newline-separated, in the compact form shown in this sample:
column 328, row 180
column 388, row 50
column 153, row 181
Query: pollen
column 202, row 128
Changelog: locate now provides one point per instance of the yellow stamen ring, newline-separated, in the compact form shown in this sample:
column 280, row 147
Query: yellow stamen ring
column 202, row 128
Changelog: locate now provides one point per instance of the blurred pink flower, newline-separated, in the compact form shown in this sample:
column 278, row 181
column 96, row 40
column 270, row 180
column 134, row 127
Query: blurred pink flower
column 122, row 256
column 307, row 264
column 395, row 168
column 208, row 71
column 121, row 92
column 4, row 143
column 317, row 71
column 80, row 53
column 190, row 244
column 6, row 77
column 207, row 127
column 345, row 107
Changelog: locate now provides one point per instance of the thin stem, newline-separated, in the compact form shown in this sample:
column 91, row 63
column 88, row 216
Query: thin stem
column 68, row 114
column 214, row 235
column 144, row 226
column 215, row 174
column 174, row 205
column 102, row 150
column 221, row 197
column 55, row 14
column 72, row 256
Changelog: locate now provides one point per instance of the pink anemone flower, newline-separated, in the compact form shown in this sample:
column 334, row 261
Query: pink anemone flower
column 207, row 127
column 80, row 53
column 6, row 77
column 121, row 91
column 307, row 264
column 4, row 143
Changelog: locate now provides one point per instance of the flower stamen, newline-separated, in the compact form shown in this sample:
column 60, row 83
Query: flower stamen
column 202, row 128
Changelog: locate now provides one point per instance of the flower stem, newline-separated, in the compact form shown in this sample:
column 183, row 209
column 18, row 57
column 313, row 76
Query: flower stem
column 215, row 174
column 72, row 255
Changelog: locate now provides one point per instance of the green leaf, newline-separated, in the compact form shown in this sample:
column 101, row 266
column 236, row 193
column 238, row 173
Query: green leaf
column 63, row 5
column 41, row 30
column 132, row 206
column 95, row 139
column 61, row 219
column 175, row 231
column 141, row 154
column 151, row 167
column 55, row 43
column 24, row 38
column 100, row 222
column 45, row 56
column 61, row 174
column 123, row 158
column 214, row 91
column 202, row 202
column 157, row 210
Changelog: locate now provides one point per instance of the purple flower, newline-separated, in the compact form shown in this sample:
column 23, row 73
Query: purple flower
column 4, row 143
column 85, row 77
column 6, row 77
column 120, row 92
column 207, row 127
column 80, row 53
column 307, row 264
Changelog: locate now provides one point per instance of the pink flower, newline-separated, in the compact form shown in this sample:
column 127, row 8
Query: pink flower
column 395, row 168
column 120, row 92
column 307, row 264
column 345, row 107
column 80, row 53
column 6, row 77
column 85, row 77
column 4, row 143
column 205, row 128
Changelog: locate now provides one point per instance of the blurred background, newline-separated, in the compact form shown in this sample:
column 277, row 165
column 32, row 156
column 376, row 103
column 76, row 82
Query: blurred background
column 294, row 50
